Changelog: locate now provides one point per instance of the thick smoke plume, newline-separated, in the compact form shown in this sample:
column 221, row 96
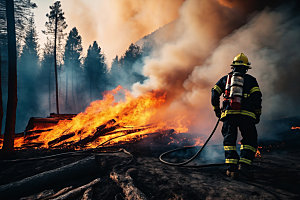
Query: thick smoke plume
column 213, row 32
column 118, row 23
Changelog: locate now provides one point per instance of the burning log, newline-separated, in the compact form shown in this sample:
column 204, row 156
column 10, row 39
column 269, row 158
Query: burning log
column 60, row 139
column 27, row 133
column 46, row 179
column 31, row 138
column 32, row 145
column 42, row 123
column 101, row 130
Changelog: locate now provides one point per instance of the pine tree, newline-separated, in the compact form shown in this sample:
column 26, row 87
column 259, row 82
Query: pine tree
column 29, row 57
column 22, row 9
column 28, row 67
column 95, row 71
column 46, row 75
column 55, row 27
column 73, row 50
column 129, row 68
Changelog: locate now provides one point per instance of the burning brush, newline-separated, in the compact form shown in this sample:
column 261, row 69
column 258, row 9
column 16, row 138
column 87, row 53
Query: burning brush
column 106, row 122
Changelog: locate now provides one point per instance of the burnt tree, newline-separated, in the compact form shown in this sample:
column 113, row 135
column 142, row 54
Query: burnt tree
column 1, row 103
column 8, row 143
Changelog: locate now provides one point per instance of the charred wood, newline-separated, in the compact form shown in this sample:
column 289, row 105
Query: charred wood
column 27, row 133
column 41, row 123
column 60, row 192
column 101, row 130
column 129, row 189
column 62, row 116
column 32, row 145
column 41, row 195
column 87, row 195
column 76, row 192
column 60, row 139
column 31, row 138
column 47, row 122
column 48, row 179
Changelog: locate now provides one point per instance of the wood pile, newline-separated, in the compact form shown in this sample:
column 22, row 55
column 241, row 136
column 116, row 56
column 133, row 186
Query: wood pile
column 46, row 123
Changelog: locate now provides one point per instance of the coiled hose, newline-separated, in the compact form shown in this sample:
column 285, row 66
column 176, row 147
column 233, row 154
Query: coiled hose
column 194, row 156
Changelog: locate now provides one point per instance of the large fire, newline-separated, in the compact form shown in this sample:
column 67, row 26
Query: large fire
column 110, row 121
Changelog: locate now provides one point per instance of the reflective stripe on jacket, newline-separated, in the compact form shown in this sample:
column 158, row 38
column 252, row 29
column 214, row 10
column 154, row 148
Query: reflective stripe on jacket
column 251, row 101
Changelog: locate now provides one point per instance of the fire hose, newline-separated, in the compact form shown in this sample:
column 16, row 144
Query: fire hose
column 194, row 156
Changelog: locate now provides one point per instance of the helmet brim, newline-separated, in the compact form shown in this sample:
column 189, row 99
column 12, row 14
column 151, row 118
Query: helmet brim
column 239, row 64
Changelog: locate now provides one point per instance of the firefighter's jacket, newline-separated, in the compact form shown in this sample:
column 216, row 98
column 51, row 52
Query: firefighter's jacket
column 251, row 100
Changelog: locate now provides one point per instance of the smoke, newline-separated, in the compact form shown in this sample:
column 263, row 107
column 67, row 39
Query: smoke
column 118, row 23
column 213, row 32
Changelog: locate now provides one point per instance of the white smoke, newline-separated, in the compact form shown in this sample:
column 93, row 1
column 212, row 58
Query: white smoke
column 188, row 67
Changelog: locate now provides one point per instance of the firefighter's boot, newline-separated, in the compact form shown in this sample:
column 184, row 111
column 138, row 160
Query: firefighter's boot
column 232, row 174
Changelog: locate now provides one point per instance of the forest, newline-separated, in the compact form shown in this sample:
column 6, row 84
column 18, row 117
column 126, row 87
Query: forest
column 59, row 77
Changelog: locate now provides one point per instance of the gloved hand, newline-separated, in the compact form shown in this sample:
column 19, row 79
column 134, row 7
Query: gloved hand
column 218, row 112
column 257, row 120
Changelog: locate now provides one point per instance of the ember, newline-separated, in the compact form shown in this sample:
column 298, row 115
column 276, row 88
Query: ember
column 258, row 154
column 108, row 120
column 295, row 128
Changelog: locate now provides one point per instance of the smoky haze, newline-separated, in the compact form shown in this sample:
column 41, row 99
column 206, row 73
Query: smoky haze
column 191, row 58
column 212, row 33
column 118, row 23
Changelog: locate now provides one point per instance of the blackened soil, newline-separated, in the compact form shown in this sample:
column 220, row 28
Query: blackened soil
column 276, row 175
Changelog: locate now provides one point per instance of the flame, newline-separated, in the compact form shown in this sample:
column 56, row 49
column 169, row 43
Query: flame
column 295, row 128
column 258, row 154
column 115, row 121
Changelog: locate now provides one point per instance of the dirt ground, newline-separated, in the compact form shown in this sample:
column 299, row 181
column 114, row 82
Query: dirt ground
column 276, row 176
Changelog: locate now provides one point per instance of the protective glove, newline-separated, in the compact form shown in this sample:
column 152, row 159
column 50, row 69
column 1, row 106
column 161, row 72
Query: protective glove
column 257, row 120
column 218, row 112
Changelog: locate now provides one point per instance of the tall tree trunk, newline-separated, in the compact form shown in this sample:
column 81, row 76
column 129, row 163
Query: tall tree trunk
column 73, row 94
column 1, row 103
column 90, row 90
column 49, row 88
column 8, row 143
column 55, row 65
column 66, row 103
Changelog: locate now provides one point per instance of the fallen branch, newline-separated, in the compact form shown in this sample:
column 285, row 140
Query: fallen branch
column 75, row 192
column 49, row 178
column 87, row 195
column 125, row 182
column 60, row 192
column 38, row 196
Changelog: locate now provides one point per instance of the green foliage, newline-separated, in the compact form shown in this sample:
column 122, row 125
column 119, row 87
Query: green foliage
column 128, row 69
column 73, row 48
column 95, row 71
column 56, row 13
column 28, row 68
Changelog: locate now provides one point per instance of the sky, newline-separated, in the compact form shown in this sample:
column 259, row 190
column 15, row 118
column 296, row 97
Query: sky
column 114, row 24
column 40, row 19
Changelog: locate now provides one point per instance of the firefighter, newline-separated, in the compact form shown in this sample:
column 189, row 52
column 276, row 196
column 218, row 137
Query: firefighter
column 241, row 109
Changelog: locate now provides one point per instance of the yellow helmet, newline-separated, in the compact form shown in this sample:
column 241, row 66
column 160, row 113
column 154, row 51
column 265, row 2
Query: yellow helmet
column 241, row 59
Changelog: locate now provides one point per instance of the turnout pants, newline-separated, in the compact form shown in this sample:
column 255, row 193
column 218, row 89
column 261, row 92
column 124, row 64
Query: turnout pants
column 248, row 131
